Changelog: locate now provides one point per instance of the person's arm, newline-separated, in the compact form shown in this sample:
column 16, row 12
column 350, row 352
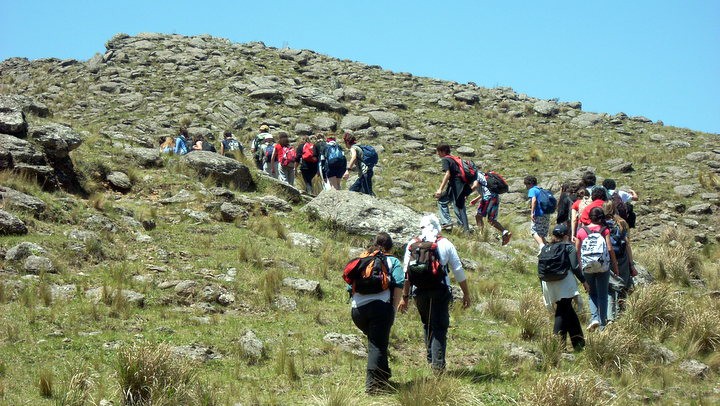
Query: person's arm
column 577, row 248
column 443, row 184
column 405, row 297
column 353, row 159
column 573, row 225
column 273, row 157
column 629, row 253
column 575, row 266
column 613, row 259
column 455, row 265
column 533, row 203
column 633, row 194
column 222, row 148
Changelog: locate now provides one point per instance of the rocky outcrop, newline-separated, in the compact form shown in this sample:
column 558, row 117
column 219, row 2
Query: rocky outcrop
column 225, row 171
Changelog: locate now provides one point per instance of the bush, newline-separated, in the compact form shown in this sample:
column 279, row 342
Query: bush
column 653, row 305
column 612, row 350
column 702, row 328
column 532, row 316
column 566, row 390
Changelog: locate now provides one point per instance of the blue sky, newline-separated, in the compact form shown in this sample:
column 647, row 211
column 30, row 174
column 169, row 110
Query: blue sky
column 658, row 59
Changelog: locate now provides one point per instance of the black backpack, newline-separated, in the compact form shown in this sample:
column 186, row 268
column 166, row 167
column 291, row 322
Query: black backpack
column 553, row 262
column 496, row 183
column 424, row 270
column 368, row 273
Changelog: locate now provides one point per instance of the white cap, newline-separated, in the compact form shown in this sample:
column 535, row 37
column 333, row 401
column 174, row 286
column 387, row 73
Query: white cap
column 429, row 227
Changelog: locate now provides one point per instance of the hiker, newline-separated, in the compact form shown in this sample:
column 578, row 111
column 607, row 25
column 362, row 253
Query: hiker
column 430, row 289
column 452, row 190
column 255, row 146
column 374, row 314
column 560, row 256
column 488, row 207
column 540, row 223
column 597, row 260
column 266, row 149
column 307, row 159
column 565, row 202
column 229, row 144
column 621, row 285
column 282, row 161
column 589, row 181
column 200, row 144
column 611, row 187
column 622, row 201
column 181, row 142
column 598, row 197
column 359, row 160
column 167, row 146
column 582, row 199
column 332, row 162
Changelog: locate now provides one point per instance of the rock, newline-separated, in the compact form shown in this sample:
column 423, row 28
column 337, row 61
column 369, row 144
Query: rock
column 659, row 352
column 230, row 212
column 145, row 157
column 132, row 297
column 226, row 299
column 285, row 303
column 702, row 208
column 347, row 343
column 98, row 222
column 325, row 123
column 684, row 190
column 267, row 94
column 362, row 214
column 12, row 198
column 625, row 167
column 183, row 196
column 386, row 119
column 306, row 241
column 292, row 193
column 695, row 369
column 675, row 144
column 520, row 354
column 37, row 265
column 414, row 146
column 13, row 122
column 315, row 98
column 644, row 277
column 225, row 171
column 11, row 225
column 57, row 140
column 699, row 156
column 586, row 120
column 466, row 151
column 354, row 123
column 195, row 353
column 119, row 181
column 304, row 286
column 467, row 97
column 186, row 288
column 197, row 216
column 23, row 250
column 63, row 292
column 546, row 107
column 28, row 105
column 251, row 346
column 303, row 129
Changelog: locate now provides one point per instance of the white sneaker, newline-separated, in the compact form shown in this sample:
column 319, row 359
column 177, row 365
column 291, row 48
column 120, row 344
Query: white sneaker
column 593, row 325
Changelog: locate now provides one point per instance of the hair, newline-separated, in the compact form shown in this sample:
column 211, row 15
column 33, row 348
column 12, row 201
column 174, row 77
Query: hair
column 283, row 138
column 349, row 139
column 611, row 213
column 530, row 181
column 167, row 141
column 555, row 239
column 565, row 187
column 227, row 134
column 609, row 184
column 589, row 179
column 598, row 194
column 184, row 131
column 597, row 216
column 383, row 241
column 443, row 147
column 582, row 192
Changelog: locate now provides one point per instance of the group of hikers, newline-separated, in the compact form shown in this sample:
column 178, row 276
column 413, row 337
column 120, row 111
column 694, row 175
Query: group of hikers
column 183, row 144
column 589, row 244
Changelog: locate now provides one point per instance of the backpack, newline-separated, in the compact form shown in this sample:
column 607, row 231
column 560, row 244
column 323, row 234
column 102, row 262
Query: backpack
column 368, row 273
column 619, row 205
column 208, row 146
column 370, row 156
column 594, row 254
column 631, row 215
column 424, row 270
column 269, row 151
column 232, row 145
column 617, row 239
column 553, row 262
column 467, row 169
column 288, row 156
column 547, row 201
column 181, row 146
column 308, row 153
column 496, row 183
column 334, row 154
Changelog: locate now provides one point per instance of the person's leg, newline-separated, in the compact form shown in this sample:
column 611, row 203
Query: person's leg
column 439, row 323
column 603, row 281
column 335, row 183
column 592, row 281
column 443, row 204
column 612, row 305
column 459, row 207
column 422, row 303
column 571, row 324
column 559, row 327
column 380, row 322
column 307, row 175
column 356, row 186
column 368, row 182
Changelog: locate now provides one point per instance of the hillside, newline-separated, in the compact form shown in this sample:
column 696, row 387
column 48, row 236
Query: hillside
column 110, row 248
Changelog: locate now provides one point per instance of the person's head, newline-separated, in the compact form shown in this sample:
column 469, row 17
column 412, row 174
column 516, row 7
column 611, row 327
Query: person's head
column 264, row 128
column 443, row 149
column 269, row 138
column 349, row 139
column 597, row 215
column 429, row 227
column 609, row 184
column 598, row 194
column 283, row 138
column 565, row 187
column 183, row 131
column 319, row 137
column 530, row 181
column 227, row 134
column 589, row 179
column 383, row 241
column 560, row 232
column 581, row 193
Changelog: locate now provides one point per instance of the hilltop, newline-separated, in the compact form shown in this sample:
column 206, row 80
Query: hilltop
column 111, row 248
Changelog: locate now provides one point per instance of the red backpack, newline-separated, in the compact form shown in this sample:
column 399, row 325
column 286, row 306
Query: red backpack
column 308, row 153
column 468, row 169
column 288, row 156
column 368, row 273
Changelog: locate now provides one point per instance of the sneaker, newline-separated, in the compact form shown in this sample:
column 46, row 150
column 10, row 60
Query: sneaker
column 506, row 237
column 593, row 325
column 447, row 227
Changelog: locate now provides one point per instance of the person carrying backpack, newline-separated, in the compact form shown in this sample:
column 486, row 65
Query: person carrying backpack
column 565, row 202
column 621, row 285
column 597, row 258
column 589, row 181
column 266, row 149
column 453, row 189
column 307, row 159
column 332, row 162
column 373, row 309
column 558, row 269
column 598, row 198
column 488, row 207
column 256, row 143
column 181, row 142
column 540, row 222
column 622, row 201
column 427, row 260
column 361, row 159
column 230, row 144
column 282, row 161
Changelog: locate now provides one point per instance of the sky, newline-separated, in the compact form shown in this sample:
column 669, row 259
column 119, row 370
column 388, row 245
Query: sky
column 658, row 59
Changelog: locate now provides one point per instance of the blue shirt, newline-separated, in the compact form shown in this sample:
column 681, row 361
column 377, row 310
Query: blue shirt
column 535, row 192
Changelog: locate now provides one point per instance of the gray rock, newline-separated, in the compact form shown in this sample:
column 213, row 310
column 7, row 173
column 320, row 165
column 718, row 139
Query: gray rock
column 414, row 146
column 675, row 144
column 325, row 123
column 315, row 98
column 586, row 120
column 37, row 265
column 303, row 129
column 659, row 352
column 99, row 222
column 251, row 346
column 119, row 181
column 684, row 190
column 186, row 288
column 225, row 171
column 304, row 286
column 12, row 198
column 467, row 97
column 702, row 208
column 267, row 94
column 28, row 105
column 520, row 354
column 183, row 196
column 198, row 216
column 644, row 277
column 11, row 225
column 132, row 297
column 347, row 343
column 230, row 212
column 13, row 122
column 695, row 369
column 226, row 299
column 23, row 250
column 305, row 241
column 466, row 151
column 285, row 303
column 195, row 353
column 386, row 119
column 292, row 193
column 625, row 167
column 361, row 214
column 546, row 107
column 354, row 123
column 63, row 292
column 57, row 140
column 145, row 157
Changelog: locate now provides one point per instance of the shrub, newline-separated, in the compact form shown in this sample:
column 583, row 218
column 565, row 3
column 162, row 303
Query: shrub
column 612, row 350
column 653, row 305
column 532, row 318
column 270, row 284
column 566, row 390
column 702, row 328
column 45, row 384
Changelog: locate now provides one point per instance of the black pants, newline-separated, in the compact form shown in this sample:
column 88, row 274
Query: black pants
column 375, row 320
column 434, row 308
column 567, row 322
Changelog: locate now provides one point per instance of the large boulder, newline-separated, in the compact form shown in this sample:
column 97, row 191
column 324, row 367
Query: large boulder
column 386, row 119
column 358, row 213
column 546, row 107
column 315, row 98
column 11, row 225
column 226, row 171
column 12, row 198
column 57, row 140
column 354, row 123
column 13, row 122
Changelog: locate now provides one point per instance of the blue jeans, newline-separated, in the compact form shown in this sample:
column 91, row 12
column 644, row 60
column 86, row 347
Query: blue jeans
column 457, row 199
column 434, row 309
column 598, row 295
column 363, row 184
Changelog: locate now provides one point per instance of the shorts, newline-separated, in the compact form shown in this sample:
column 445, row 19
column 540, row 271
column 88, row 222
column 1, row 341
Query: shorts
column 540, row 226
column 335, row 171
column 489, row 208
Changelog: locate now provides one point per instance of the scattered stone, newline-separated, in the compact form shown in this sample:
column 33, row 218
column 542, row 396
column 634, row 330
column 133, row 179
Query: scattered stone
column 309, row 242
column 466, row 151
column 354, row 123
column 37, row 265
column 285, row 303
column 386, row 119
column 195, row 353
column 347, row 343
column 702, row 208
column 304, row 286
column 225, row 171
column 520, row 354
column 586, row 120
column 226, row 299
column 197, row 216
column 11, row 225
column 23, row 250
column 119, row 181
column 252, row 347
column 132, row 297
column 183, row 196
column 625, row 167
column 230, row 212
column 546, row 108
column 659, row 352
column 684, row 190
column 695, row 369
column 11, row 198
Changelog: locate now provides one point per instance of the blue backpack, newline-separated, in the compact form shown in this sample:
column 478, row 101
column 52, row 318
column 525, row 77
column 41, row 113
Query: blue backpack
column 617, row 239
column 370, row 156
column 547, row 201
column 335, row 155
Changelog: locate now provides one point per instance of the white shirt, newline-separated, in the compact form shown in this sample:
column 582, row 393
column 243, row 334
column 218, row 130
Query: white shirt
column 447, row 254
column 625, row 196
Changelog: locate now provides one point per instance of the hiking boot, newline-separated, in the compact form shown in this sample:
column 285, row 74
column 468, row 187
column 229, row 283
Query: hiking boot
column 506, row 237
column 447, row 227
column 593, row 325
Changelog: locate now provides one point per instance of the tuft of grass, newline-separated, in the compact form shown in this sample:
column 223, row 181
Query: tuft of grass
column 613, row 351
column 709, row 181
column 702, row 328
column 270, row 284
column 536, row 155
column 517, row 264
column 674, row 257
column 498, row 309
column 430, row 391
column 532, row 317
column 566, row 390
column 337, row 395
column 45, row 383
column 270, row 227
column 653, row 306
column 551, row 348
column 285, row 364
column 79, row 390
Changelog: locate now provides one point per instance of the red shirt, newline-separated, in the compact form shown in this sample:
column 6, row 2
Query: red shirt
column 585, row 215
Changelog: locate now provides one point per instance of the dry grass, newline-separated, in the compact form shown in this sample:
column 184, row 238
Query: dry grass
column 79, row 390
column 567, row 390
column 702, row 327
column 532, row 317
column 431, row 391
column 653, row 306
column 45, row 383
column 613, row 351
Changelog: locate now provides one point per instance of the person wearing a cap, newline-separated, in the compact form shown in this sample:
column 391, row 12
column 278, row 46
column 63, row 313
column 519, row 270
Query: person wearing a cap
column 434, row 304
column 256, row 142
column 562, row 292
column 265, row 150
